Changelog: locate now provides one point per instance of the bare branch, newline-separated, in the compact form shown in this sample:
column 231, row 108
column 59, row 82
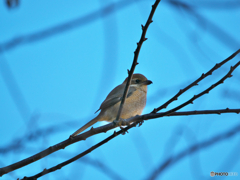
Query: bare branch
column 174, row 98
column 59, row 166
column 220, row 111
column 190, row 101
column 115, row 134
column 136, row 53
column 103, row 129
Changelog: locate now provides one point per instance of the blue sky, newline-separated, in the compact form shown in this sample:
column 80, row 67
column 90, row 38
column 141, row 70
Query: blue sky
column 51, row 85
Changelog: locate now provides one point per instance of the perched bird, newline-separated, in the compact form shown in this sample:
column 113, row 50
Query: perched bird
column 134, row 102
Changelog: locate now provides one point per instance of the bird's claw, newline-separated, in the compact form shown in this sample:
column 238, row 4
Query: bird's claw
column 121, row 122
column 140, row 123
column 123, row 130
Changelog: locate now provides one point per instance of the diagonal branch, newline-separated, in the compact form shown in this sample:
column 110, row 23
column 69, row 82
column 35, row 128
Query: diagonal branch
column 174, row 98
column 115, row 134
column 59, row 166
column 103, row 129
column 190, row 101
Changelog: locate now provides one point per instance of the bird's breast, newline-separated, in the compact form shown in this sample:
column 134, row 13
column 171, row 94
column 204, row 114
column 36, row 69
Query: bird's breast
column 133, row 106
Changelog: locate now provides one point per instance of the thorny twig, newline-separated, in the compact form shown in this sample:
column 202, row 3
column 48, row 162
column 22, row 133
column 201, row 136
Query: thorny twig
column 174, row 98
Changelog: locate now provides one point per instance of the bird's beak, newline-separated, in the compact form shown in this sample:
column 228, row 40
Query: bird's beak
column 147, row 82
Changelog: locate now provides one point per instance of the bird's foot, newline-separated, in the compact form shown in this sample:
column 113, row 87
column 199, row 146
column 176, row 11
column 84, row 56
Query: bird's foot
column 123, row 130
column 140, row 123
column 121, row 122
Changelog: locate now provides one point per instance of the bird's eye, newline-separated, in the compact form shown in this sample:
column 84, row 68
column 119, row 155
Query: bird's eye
column 138, row 81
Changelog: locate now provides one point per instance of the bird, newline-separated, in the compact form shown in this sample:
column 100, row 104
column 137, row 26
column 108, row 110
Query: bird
column 134, row 104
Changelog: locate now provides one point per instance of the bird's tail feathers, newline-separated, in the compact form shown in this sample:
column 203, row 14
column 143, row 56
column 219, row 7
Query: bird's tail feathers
column 90, row 123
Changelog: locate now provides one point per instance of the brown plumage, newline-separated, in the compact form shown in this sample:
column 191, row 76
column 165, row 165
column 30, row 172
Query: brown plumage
column 134, row 103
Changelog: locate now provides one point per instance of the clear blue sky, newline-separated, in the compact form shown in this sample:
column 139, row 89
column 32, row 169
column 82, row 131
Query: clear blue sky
column 60, row 59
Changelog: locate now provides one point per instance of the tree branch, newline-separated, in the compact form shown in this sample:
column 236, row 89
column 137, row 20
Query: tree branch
column 59, row 166
column 190, row 101
column 134, row 120
column 101, row 129
column 136, row 53
column 107, row 127
column 115, row 134
column 195, row 83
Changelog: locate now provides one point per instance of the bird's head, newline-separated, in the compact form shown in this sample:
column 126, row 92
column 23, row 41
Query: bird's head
column 139, row 80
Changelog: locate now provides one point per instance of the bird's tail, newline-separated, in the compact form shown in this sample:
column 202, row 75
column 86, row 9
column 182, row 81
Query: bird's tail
column 90, row 123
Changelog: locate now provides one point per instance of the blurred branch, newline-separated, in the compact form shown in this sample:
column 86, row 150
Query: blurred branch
column 214, row 29
column 111, row 55
column 231, row 94
column 57, row 29
column 230, row 160
column 12, row 3
column 19, row 142
column 99, row 165
column 142, row 149
column 186, row 133
column 195, row 83
column 104, row 168
column 14, row 89
column 192, row 149
column 227, row 4
column 194, row 160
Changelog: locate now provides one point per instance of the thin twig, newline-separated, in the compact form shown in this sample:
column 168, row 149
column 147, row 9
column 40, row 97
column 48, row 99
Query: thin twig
column 59, row 166
column 202, row 112
column 103, row 129
column 115, row 134
column 190, row 101
column 134, row 120
column 136, row 53
column 174, row 98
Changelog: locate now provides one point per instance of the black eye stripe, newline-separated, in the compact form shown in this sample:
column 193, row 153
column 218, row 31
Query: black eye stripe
column 137, row 81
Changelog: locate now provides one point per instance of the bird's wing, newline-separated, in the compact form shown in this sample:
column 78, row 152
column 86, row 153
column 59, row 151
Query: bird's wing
column 115, row 96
